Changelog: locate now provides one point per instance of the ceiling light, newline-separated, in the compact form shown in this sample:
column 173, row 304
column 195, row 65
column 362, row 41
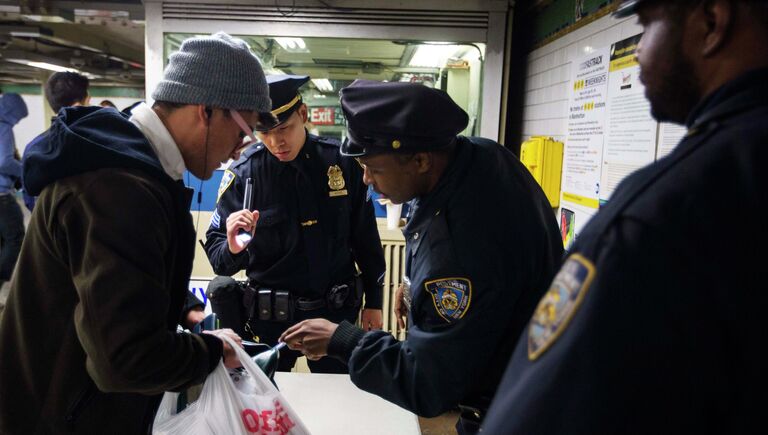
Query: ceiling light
column 294, row 45
column 23, row 31
column 324, row 85
column 434, row 56
column 49, row 66
column 42, row 65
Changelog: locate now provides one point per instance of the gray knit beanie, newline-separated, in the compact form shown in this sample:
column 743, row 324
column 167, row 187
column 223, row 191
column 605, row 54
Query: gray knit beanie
column 218, row 71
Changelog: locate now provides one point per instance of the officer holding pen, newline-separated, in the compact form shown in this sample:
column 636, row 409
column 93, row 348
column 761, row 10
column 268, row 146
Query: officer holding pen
column 309, row 223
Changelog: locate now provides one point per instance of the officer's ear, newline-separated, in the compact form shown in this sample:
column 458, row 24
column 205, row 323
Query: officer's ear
column 718, row 19
column 303, row 113
column 424, row 162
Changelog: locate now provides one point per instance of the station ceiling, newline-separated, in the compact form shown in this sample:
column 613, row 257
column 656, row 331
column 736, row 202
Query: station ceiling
column 105, row 40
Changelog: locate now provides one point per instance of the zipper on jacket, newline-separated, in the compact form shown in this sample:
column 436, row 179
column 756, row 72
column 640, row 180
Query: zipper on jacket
column 82, row 400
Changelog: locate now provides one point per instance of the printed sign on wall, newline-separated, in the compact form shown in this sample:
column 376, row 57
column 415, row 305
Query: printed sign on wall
column 583, row 152
column 630, row 141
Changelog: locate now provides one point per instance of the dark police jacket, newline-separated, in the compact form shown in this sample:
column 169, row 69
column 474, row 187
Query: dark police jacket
column 481, row 249
column 88, row 341
column 277, row 256
column 665, row 294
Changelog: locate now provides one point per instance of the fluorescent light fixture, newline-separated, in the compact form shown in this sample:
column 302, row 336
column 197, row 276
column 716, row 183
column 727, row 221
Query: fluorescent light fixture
column 43, row 65
column 323, row 84
column 22, row 31
column 31, row 33
column 292, row 44
column 434, row 56
column 50, row 67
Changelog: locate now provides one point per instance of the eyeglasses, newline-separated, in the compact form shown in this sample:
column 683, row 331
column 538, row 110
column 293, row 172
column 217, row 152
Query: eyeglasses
column 245, row 127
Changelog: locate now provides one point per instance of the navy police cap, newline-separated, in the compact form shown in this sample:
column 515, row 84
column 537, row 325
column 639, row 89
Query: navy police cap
column 396, row 116
column 284, row 92
column 627, row 8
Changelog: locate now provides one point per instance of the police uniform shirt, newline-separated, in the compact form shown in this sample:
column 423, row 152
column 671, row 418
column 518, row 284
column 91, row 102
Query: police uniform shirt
column 276, row 257
column 480, row 250
column 656, row 322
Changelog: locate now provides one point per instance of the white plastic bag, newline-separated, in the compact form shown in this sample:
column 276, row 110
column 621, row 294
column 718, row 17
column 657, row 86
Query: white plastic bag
column 253, row 406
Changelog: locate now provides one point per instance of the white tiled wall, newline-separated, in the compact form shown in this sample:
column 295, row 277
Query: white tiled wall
column 549, row 73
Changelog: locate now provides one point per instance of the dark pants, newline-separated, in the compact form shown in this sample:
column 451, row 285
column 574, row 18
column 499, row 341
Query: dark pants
column 226, row 298
column 11, row 234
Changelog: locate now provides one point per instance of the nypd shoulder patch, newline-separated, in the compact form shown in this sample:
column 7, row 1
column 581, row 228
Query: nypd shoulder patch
column 226, row 181
column 451, row 297
column 559, row 304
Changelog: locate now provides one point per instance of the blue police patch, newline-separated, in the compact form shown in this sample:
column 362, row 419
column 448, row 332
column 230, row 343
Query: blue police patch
column 559, row 304
column 215, row 219
column 226, row 181
column 451, row 297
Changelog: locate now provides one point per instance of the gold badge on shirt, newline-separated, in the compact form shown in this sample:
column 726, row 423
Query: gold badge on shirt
column 336, row 181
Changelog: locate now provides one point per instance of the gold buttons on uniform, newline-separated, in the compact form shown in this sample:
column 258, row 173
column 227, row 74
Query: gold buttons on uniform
column 395, row 144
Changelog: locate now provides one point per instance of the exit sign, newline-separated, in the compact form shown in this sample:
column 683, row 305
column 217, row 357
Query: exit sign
column 322, row 115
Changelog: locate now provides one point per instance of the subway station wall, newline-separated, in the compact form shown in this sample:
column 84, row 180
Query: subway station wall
column 548, row 83
column 583, row 89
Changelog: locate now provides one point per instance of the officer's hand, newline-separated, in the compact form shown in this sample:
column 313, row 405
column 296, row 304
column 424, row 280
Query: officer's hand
column 311, row 337
column 371, row 319
column 230, row 356
column 240, row 220
column 401, row 311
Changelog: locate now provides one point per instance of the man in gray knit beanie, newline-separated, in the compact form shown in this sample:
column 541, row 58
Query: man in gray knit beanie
column 213, row 93
column 218, row 71
column 117, row 266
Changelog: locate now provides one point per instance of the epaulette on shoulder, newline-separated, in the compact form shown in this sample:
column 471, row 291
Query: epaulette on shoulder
column 327, row 141
column 245, row 155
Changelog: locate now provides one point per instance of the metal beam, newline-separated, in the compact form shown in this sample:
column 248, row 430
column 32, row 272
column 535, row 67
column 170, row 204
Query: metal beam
column 86, row 39
column 134, row 8
column 435, row 5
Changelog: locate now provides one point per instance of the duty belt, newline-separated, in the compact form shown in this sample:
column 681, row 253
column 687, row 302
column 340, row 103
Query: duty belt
column 334, row 299
column 306, row 304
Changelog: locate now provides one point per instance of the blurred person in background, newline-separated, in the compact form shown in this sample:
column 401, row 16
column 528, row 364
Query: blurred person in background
column 12, row 110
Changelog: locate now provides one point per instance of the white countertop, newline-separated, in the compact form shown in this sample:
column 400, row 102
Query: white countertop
column 332, row 404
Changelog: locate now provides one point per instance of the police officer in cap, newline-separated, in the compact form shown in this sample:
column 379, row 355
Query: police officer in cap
column 309, row 222
column 482, row 244
column 656, row 322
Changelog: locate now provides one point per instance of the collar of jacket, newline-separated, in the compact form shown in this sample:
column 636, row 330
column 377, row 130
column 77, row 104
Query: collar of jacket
column 303, row 159
column 748, row 91
column 83, row 139
column 427, row 206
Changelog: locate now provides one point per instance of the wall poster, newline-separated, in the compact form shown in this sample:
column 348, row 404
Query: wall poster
column 583, row 151
column 630, row 140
